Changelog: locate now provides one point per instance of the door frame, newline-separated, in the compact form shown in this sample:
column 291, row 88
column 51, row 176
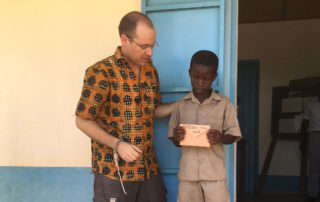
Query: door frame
column 228, row 59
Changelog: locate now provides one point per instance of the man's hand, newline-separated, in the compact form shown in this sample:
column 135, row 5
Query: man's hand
column 128, row 152
column 214, row 136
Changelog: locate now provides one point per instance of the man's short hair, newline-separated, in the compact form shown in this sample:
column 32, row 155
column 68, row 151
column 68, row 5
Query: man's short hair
column 128, row 23
column 206, row 58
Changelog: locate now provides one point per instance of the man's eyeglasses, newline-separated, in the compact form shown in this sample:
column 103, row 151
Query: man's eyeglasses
column 146, row 46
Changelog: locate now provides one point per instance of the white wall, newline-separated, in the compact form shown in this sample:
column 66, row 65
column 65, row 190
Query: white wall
column 45, row 48
column 286, row 50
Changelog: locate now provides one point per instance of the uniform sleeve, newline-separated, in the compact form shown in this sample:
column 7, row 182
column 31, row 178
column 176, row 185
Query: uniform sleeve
column 230, row 122
column 157, row 98
column 174, row 119
column 94, row 93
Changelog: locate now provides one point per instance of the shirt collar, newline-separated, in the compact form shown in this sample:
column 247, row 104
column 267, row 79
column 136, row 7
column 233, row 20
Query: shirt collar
column 214, row 96
column 118, row 55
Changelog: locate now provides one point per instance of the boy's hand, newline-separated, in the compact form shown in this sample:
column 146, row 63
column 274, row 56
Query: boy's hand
column 178, row 135
column 214, row 136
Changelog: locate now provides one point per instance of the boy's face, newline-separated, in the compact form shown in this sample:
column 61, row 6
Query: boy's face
column 201, row 79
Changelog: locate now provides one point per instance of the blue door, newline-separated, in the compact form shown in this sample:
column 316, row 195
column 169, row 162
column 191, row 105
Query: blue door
column 184, row 27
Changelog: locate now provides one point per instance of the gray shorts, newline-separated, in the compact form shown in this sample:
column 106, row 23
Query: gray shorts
column 108, row 190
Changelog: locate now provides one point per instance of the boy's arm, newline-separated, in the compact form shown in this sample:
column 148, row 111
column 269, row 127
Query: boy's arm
column 230, row 128
column 227, row 139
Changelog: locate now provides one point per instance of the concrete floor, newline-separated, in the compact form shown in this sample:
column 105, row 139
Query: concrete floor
column 272, row 197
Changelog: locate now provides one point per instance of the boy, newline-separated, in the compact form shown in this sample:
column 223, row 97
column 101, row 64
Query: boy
column 202, row 175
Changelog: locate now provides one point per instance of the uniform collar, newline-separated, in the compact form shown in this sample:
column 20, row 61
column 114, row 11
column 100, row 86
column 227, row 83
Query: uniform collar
column 214, row 96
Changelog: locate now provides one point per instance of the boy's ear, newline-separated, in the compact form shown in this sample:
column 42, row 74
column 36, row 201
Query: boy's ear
column 215, row 76
column 190, row 71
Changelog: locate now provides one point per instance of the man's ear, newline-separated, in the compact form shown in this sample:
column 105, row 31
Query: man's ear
column 124, row 39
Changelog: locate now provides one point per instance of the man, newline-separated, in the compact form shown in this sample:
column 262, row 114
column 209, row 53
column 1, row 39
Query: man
column 120, row 99
column 311, row 137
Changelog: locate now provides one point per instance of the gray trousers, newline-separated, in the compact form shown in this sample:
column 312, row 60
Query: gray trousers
column 108, row 190
column 314, row 164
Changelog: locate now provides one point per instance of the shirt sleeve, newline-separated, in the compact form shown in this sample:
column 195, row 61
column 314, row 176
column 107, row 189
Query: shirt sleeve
column 94, row 93
column 157, row 98
column 230, row 123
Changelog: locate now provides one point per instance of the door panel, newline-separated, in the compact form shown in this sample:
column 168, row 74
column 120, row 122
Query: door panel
column 190, row 31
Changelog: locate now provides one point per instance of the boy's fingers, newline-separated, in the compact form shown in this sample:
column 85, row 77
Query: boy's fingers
column 217, row 132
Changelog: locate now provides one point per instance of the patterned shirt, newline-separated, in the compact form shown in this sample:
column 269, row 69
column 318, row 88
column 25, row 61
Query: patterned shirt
column 122, row 105
column 202, row 163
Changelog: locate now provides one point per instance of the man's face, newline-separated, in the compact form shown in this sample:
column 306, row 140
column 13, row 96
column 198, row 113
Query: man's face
column 201, row 79
column 138, row 50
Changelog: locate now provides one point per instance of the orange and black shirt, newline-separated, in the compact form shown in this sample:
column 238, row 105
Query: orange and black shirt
column 124, row 107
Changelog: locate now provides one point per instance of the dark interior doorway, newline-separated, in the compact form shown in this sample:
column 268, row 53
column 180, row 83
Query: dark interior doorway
column 248, row 114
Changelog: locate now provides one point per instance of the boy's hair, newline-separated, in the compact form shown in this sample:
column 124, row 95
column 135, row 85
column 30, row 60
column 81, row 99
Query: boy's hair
column 128, row 23
column 206, row 58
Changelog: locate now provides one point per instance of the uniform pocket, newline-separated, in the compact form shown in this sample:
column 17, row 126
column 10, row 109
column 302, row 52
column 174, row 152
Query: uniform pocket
column 215, row 122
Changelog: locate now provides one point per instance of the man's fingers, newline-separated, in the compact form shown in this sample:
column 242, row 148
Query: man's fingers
column 131, row 157
column 136, row 149
column 134, row 153
column 128, row 152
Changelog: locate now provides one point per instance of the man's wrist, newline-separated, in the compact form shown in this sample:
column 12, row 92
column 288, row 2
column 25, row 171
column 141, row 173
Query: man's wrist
column 117, row 144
